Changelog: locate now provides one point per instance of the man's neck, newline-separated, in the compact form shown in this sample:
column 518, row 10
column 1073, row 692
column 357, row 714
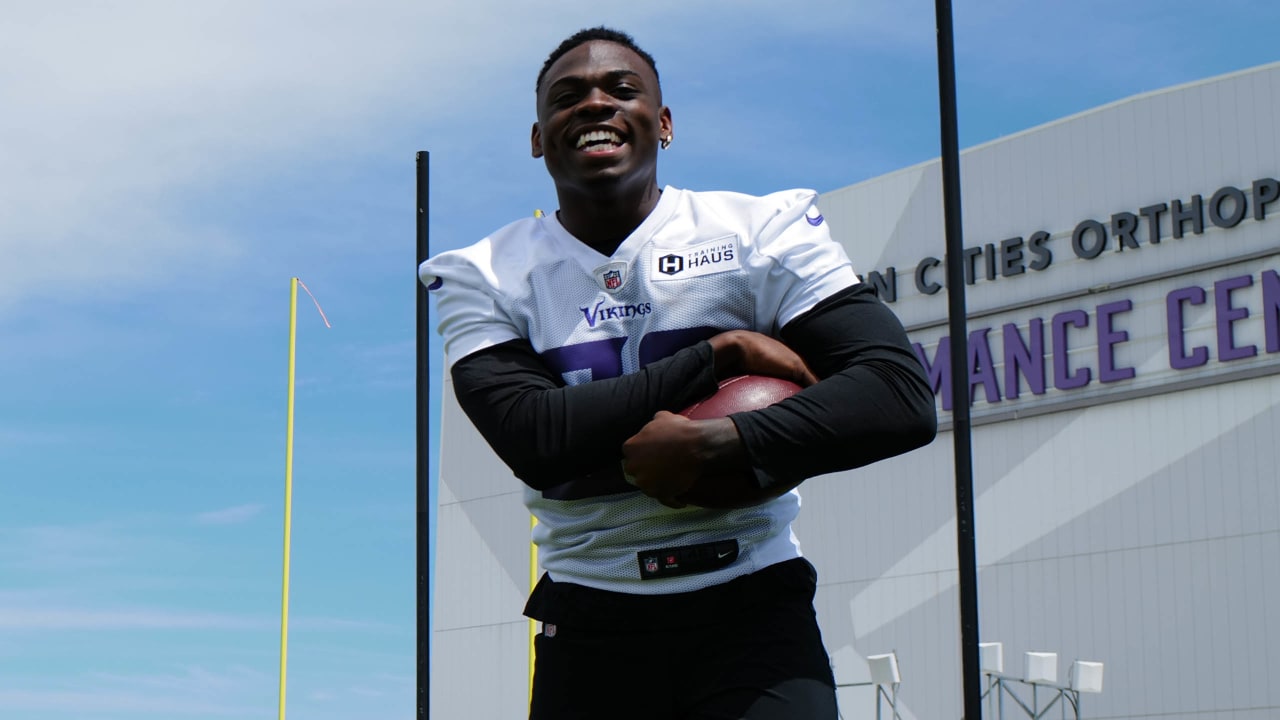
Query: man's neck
column 603, row 221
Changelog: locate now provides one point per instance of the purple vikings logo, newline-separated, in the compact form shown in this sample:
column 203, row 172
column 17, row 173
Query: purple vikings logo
column 612, row 280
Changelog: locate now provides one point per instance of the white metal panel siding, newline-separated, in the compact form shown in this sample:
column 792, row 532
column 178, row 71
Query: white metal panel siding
column 1141, row 530
column 481, row 672
column 1134, row 533
column 479, row 664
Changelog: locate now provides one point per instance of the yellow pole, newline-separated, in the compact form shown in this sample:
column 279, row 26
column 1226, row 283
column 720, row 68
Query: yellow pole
column 533, row 580
column 533, row 573
column 288, row 489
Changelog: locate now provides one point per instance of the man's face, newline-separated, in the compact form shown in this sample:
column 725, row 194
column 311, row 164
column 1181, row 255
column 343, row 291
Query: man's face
column 600, row 118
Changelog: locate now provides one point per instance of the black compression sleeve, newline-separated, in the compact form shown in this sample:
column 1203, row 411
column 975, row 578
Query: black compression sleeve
column 548, row 433
column 873, row 401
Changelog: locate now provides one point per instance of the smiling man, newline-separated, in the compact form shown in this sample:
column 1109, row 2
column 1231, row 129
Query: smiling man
column 600, row 123
column 674, row 587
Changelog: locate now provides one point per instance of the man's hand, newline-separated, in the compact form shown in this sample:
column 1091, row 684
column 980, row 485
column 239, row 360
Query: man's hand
column 743, row 352
column 666, row 458
column 679, row 461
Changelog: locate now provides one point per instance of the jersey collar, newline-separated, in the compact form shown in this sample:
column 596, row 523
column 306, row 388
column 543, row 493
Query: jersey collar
column 590, row 259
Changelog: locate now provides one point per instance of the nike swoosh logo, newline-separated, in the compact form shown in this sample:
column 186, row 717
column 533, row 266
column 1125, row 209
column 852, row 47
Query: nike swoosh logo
column 723, row 555
column 814, row 221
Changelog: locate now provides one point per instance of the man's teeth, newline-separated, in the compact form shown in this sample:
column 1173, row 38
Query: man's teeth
column 598, row 137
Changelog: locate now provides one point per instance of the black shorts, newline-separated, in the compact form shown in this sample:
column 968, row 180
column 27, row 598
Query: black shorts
column 749, row 649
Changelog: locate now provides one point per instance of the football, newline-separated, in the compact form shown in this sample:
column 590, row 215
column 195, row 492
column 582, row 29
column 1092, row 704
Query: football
column 736, row 394
column 740, row 394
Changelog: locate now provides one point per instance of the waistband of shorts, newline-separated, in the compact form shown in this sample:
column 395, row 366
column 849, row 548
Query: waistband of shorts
column 573, row 605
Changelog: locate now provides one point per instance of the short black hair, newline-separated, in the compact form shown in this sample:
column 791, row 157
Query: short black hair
column 585, row 36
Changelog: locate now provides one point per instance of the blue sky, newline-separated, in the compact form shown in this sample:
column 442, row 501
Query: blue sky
column 165, row 168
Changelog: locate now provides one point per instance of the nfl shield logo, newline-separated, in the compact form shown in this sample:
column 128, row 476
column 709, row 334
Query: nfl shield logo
column 611, row 276
column 651, row 564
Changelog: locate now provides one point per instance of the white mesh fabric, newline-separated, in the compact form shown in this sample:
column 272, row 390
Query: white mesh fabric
column 700, row 260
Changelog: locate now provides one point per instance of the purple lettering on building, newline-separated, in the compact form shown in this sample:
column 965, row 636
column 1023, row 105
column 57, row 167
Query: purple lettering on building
column 1108, row 338
column 1227, row 315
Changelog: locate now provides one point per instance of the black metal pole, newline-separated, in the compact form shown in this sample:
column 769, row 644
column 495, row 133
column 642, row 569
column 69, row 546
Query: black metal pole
column 423, row 490
column 956, row 313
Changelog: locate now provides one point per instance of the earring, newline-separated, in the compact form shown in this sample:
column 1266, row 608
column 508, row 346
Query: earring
column 666, row 141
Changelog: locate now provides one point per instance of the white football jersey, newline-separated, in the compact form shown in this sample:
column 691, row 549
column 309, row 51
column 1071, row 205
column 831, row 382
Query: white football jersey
column 701, row 263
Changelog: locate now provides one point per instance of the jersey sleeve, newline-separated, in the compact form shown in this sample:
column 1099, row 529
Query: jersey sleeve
column 468, row 304
column 796, row 264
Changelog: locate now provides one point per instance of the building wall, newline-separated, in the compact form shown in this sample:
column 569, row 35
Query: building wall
column 480, row 640
column 1157, row 556
column 1133, row 519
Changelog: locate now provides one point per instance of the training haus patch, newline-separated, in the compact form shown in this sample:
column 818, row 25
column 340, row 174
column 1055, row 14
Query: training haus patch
column 715, row 256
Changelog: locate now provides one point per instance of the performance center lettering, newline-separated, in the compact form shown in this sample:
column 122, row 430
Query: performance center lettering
column 1031, row 363
column 1126, row 230
column 1205, row 324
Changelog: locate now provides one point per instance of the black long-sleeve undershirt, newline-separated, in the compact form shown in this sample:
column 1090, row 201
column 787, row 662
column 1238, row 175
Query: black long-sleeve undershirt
column 549, row 433
column 872, row 402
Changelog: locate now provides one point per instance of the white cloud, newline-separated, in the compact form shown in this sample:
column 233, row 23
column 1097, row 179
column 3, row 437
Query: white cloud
column 186, row 690
column 23, row 437
column 211, row 690
column 118, row 116
column 97, row 702
column 28, row 616
column 331, row 624
column 33, row 618
column 230, row 516
column 191, row 678
column 62, row 547
column 121, row 118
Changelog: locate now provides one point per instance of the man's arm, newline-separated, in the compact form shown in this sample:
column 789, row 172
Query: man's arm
column 549, row 433
column 873, row 402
